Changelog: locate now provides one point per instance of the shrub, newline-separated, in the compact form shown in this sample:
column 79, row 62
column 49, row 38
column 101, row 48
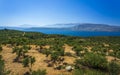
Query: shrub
column 92, row 60
column 87, row 72
column 77, row 50
column 26, row 62
column 54, row 56
column 68, row 54
column 1, row 48
column 2, row 67
column 39, row 72
column 114, row 68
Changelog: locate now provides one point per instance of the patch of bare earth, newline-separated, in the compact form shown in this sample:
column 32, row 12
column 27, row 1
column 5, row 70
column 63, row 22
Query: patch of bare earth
column 68, row 49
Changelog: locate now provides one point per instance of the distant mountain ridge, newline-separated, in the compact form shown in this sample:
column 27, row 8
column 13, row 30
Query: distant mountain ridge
column 73, row 26
column 95, row 27
column 83, row 27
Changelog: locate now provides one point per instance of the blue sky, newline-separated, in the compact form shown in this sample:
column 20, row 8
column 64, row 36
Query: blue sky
column 44, row 12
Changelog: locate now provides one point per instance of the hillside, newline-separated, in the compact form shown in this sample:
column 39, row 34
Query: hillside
column 32, row 53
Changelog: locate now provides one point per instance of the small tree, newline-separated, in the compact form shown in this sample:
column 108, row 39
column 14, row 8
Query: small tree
column 31, row 60
column 54, row 56
column 20, row 52
column 26, row 62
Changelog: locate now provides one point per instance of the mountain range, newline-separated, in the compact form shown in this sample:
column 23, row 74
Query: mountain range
column 73, row 26
column 95, row 27
column 83, row 27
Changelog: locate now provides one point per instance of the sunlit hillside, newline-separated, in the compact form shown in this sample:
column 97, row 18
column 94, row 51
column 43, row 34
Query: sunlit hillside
column 32, row 53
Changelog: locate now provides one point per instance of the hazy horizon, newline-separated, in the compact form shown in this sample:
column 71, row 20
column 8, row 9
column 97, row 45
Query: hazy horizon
column 39, row 13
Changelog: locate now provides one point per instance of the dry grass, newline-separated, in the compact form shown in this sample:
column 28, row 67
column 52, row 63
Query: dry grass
column 68, row 49
column 18, row 69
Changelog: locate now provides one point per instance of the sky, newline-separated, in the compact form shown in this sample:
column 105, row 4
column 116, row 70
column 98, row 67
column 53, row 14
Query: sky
column 46, row 12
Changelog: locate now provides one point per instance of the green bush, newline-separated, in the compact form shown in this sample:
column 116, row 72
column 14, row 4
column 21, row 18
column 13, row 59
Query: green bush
column 87, row 72
column 26, row 62
column 54, row 56
column 114, row 68
column 93, row 60
column 2, row 67
column 1, row 48
column 39, row 72
column 77, row 50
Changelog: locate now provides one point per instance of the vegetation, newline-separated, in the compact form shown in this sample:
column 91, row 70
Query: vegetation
column 90, row 53
column 93, row 60
column 39, row 72
column 1, row 48
column 114, row 68
column 2, row 67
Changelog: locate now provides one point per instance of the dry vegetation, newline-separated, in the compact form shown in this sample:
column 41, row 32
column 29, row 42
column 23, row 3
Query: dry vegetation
column 18, row 69
column 55, row 53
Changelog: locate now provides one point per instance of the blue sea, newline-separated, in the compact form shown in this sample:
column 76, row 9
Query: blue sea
column 74, row 33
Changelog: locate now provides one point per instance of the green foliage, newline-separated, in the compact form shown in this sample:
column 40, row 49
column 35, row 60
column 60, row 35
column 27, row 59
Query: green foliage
column 26, row 47
column 54, row 56
column 32, row 60
column 20, row 51
column 114, row 68
column 77, row 49
column 26, row 62
column 87, row 72
column 93, row 60
column 78, row 72
column 61, row 52
column 39, row 72
column 47, row 52
column 1, row 48
column 2, row 67
column 116, row 52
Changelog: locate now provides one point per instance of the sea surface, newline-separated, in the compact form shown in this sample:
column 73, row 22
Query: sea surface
column 68, row 32
column 73, row 33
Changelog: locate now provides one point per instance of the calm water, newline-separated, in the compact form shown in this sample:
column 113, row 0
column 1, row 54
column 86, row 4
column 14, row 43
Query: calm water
column 74, row 33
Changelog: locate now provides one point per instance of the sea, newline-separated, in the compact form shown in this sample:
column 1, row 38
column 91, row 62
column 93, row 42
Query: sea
column 68, row 32
column 73, row 33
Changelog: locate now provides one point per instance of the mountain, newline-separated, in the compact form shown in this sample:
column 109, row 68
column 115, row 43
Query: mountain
column 70, row 26
column 95, row 27
column 81, row 27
